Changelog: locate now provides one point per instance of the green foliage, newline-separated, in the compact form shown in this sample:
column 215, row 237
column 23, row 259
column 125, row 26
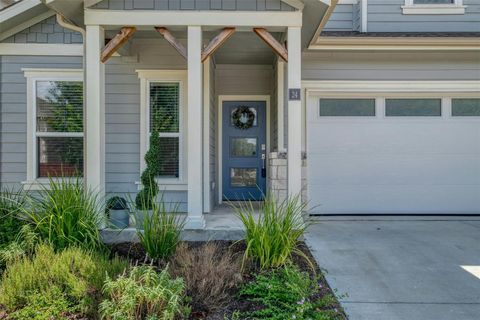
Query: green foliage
column 23, row 246
column 45, row 306
column 161, row 231
column 288, row 293
column 11, row 204
column 76, row 273
column 273, row 236
column 66, row 214
column 143, row 294
column 146, row 197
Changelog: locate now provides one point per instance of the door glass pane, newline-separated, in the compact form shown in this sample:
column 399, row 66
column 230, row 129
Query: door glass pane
column 244, row 147
column 347, row 107
column 243, row 177
column 240, row 116
column 413, row 107
column 466, row 107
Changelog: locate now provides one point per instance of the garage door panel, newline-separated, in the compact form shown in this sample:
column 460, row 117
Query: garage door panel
column 371, row 138
column 393, row 165
column 396, row 170
column 368, row 199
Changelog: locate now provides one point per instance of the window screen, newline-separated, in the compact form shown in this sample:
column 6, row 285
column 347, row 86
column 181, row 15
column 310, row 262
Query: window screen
column 59, row 128
column 466, row 107
column 347, row 107
column 413, row 107
column 165, row 121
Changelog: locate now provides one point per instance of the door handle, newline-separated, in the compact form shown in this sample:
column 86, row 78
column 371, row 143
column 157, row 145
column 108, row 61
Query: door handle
column 264, row 169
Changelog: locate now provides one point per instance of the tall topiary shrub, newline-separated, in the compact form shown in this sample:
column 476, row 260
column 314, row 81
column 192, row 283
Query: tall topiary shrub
column 146, row 196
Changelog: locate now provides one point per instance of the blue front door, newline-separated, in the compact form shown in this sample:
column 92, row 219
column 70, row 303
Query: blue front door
column 244, row 150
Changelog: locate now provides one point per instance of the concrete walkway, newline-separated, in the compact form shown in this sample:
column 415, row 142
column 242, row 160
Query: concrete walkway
column 401, row 268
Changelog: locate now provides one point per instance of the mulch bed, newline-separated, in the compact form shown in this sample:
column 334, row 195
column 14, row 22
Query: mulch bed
column 135, row 253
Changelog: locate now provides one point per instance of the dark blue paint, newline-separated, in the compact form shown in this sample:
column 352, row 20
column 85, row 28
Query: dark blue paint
column 254, row 161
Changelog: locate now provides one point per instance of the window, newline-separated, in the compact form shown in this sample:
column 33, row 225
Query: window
column 165, row 120
column 55, row 123
column 466, row 107
column 433, row 7
column 413, row 107
column 162, row 108
column 347, row 107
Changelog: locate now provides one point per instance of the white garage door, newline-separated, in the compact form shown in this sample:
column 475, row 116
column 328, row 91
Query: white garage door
column 391, row 155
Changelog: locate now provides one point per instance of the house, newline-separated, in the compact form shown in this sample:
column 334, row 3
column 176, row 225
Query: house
column 363, row 107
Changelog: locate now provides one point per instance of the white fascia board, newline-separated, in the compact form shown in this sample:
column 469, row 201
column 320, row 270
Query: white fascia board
column 40, row 49
column 396, row 44
column 27, row 24
column 18, row 8
column 313, row 86
column 193, row 18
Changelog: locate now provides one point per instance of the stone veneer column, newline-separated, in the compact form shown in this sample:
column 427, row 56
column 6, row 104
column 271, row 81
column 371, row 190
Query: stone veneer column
column 277, row 175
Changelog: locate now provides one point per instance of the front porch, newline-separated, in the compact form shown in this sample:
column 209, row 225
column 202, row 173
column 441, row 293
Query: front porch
column 207, row 68
column 220, row 224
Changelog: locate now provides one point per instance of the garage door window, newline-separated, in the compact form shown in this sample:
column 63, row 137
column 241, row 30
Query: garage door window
column 466, row 107
column 347, row 107
column 413, row 107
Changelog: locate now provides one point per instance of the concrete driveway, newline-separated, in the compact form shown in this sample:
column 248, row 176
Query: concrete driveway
column 404, row 268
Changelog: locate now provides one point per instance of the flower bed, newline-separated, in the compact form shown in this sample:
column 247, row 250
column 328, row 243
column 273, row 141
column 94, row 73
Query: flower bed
column 238, row 306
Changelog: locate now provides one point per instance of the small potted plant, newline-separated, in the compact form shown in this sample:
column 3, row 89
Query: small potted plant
column 117, row 210
column 147, row 196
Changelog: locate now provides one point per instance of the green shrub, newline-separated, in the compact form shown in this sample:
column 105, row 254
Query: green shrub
column 153, row 158
column 288, row 293
column 143, row 294
column 23, row 246
column 161, row 231
column 65, row 214
column 273, row 236
column 45, row 306
column 11, row 204
column 78, row 275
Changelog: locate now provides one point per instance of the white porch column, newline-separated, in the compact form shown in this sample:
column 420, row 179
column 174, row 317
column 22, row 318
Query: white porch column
column 294, row 112
column 195, row 138
column 94, row 163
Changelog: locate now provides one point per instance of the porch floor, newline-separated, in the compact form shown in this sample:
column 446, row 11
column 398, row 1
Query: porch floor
column 220, row 224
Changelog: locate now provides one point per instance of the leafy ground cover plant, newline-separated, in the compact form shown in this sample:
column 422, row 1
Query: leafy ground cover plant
column 161, row 231
column 143, row 294
column 65, row 214
column 272, row 238
column 211, row 273
column 73, row 277
column 288, row 293
column 11, row 203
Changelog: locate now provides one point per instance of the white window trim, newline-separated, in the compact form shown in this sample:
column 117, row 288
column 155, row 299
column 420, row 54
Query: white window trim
column 180, row 76
column 34, row 75
column 455, row 8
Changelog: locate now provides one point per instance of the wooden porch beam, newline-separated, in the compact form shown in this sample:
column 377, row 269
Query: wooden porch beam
column 217, row 42
column 272, row 42
column 167, row 35
column 119, row 40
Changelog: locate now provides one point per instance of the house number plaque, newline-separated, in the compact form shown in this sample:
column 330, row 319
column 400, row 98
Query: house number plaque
column 294, row 94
